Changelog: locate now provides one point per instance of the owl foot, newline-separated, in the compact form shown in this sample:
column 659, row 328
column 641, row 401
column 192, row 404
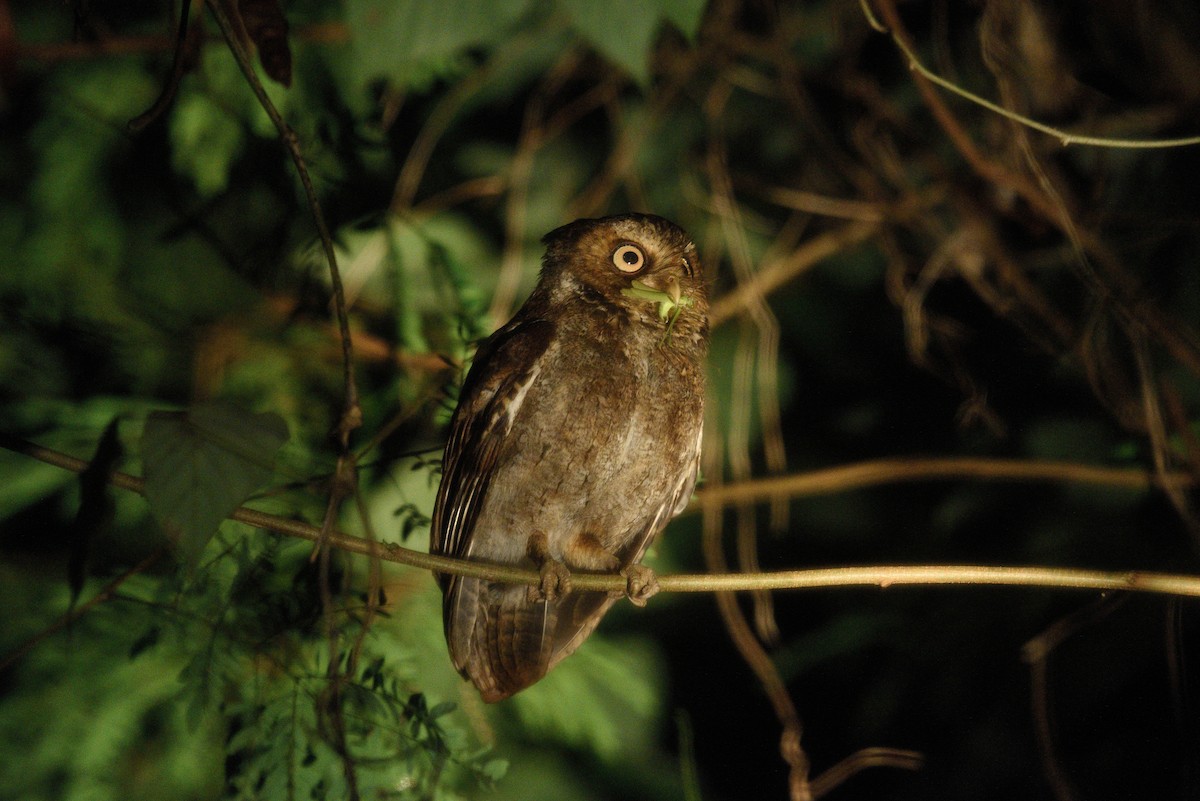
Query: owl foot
column 641, row 584
column 554, row 580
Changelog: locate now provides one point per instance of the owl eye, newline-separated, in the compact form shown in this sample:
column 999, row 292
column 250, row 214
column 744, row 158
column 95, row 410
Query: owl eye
column 629, row 258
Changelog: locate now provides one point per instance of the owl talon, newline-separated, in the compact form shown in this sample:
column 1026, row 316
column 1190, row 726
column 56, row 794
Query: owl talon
column 554, row 579
column 641, row 584
column 554, row 582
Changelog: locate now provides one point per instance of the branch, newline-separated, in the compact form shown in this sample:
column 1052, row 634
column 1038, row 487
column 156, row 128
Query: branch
column 882, row 576
column 55, row 52
column 351, row 412
column 105, row 594
column 1064, row 137
column 1048, row 202
column 889, row 471
column 861, row 760
column 778, row 273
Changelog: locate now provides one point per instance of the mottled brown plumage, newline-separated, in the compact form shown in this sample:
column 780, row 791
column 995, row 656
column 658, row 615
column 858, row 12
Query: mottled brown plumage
column 575, row 441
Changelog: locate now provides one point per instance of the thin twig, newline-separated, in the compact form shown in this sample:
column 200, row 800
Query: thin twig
column 1160, row 446
column 962, row 142
column 844, row 478
column 791, row 739
column 409, row 178
column 105, row 593
column 56, row 52
column 1065, row 137
column 1048, row 201
column 1036, row 653
column 171, row 86
column 622, row 156
column 861, row 760
column 538, row 128
column 345, row 478
column 756, row 357
column 892, row 471
column 772, row 276
column 351, row 412
column 882, row 576
column 520, row 171
column 824, row 205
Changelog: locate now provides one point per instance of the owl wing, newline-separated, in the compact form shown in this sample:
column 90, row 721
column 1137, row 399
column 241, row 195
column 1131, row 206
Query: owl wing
column 505, row 366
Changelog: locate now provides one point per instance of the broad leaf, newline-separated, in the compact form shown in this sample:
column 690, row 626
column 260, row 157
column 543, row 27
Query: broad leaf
column 685, row 15
column 405, row 38
column 202, row 463
column 622, row 30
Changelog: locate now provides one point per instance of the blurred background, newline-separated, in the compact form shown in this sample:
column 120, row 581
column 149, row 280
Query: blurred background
column 898, row 274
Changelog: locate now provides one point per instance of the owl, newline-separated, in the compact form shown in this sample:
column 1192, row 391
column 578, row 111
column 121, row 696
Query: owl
column 576, row 439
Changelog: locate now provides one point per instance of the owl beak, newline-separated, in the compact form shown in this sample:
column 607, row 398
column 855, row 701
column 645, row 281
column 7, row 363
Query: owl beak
column 669, row 287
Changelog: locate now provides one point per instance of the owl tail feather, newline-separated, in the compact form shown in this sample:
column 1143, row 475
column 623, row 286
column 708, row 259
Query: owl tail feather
column 497, row 638
column 502, row 643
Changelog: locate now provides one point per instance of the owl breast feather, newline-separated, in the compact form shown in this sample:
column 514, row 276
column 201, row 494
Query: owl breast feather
column 585, row 455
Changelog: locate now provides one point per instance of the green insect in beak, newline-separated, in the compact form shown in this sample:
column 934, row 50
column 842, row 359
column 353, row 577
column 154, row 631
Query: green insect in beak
column 670, row 302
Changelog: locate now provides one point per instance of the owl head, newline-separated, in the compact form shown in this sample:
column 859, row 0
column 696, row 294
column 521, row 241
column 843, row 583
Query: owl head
column 642, row 264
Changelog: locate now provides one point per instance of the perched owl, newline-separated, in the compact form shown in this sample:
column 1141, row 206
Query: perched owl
column 575, row 441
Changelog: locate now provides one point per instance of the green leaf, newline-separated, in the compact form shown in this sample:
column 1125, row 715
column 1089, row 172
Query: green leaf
column 622, row 30
column 405, row 38
column 205, row 141
column 494, row 769
column 211, row 126
column 202, row 463
column 685, row 15
column 615, row 694
column 442, row 709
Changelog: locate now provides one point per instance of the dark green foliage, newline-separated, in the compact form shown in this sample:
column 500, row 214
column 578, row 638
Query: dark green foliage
column 181, row 264
column 239, row 654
